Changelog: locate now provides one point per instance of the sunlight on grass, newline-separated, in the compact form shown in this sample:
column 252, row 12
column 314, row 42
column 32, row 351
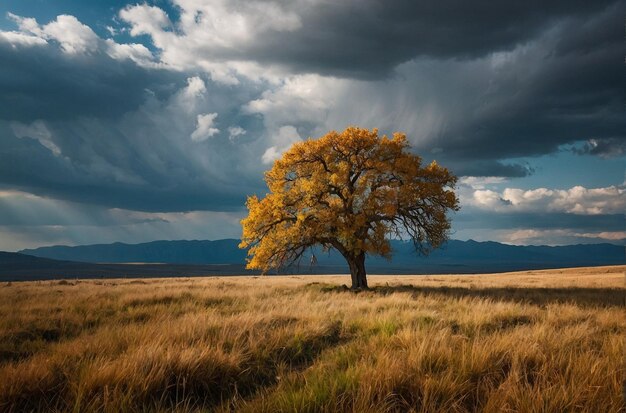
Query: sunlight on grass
column 535, row 341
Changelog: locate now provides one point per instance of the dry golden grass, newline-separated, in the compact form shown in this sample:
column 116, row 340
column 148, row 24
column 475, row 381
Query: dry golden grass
column 545, row 341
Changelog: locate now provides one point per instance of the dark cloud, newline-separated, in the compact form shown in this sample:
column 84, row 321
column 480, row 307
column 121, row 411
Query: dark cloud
column 140, row 159
column 606, row 148
column 556, row 90
column 472, row 219
column 486, row 168
column 119, row 133
column 43, row 83
column 367, row 39
column 19, row 210
column 124, row 143
column 146, row 173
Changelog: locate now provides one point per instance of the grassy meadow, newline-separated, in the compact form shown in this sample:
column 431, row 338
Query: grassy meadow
column 537, row 341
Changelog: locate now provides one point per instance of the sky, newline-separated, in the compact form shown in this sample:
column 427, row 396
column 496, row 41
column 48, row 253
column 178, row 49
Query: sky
column 132, row 122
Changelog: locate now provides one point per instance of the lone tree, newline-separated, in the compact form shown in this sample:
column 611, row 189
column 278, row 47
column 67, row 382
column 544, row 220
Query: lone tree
column 349, row 191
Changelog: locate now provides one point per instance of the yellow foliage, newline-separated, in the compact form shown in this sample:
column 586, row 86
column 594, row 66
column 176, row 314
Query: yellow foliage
column 349, row 191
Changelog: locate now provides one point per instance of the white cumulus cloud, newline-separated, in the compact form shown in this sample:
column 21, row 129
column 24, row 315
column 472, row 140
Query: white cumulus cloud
column 205, row 127
column 234, row 132
column 208, row 31
column 73, row 36
column 560, row 237
column 576, row 200
column 136, row 52
column 16, row 39
column 145, row 19
column 283, row 139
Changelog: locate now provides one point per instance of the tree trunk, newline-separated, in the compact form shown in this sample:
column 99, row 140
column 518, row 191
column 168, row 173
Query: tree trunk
column 357, row 271
column 361, row 274
column 353, row 271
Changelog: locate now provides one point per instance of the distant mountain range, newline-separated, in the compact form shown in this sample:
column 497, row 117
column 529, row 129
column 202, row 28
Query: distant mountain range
column 161, row 258
column 20, row 267
column 224, row 251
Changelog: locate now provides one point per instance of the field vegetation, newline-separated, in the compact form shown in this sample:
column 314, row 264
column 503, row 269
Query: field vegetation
column 544, row 341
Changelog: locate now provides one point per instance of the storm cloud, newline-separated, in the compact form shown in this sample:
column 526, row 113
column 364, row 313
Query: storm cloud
column 40, row 82
column 354, row 39
column 184, row 104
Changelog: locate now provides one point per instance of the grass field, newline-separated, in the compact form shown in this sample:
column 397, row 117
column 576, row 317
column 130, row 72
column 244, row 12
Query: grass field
column 542, row 341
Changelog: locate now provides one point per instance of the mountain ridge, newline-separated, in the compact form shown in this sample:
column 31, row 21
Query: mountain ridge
column 223, row 257
column 226, row 251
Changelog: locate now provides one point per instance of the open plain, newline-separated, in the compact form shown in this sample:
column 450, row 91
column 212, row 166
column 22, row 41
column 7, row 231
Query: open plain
column 549, row 341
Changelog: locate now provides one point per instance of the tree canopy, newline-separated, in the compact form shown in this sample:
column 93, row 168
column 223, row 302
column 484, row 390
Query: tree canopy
column 350, row 191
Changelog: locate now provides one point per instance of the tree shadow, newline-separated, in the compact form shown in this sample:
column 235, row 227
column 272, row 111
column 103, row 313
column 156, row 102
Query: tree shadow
column 603, row 297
